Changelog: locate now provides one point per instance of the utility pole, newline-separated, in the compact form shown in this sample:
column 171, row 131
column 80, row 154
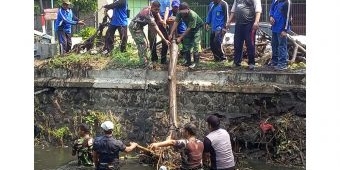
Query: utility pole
column 52, row 21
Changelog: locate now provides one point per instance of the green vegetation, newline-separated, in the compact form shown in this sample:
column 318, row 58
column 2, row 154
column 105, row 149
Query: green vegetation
column 82, row 5
column 60, row 133
column 96, row 118
column 128, row 59
column 87, row 32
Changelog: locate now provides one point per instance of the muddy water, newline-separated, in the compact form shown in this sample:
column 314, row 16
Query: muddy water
column 57, row 158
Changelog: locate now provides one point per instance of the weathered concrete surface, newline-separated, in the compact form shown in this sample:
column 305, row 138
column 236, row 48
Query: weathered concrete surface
column 140, row 101
column 222, row 81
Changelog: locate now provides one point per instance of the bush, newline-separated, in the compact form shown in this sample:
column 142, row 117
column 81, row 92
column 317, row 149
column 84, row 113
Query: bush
column 87, row 32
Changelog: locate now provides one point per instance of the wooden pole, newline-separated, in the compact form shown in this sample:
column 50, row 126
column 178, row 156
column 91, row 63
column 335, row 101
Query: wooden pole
column 172, row 83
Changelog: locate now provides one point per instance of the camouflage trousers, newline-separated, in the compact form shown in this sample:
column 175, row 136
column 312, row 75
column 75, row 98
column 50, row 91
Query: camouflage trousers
column 139, row 37
column 192, row 42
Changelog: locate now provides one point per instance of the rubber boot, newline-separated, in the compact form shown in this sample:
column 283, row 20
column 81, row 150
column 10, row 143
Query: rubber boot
column 196, row 60
column 187, row 56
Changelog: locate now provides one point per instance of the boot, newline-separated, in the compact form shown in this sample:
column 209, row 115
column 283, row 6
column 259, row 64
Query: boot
column 196, row 60
column 187, row 56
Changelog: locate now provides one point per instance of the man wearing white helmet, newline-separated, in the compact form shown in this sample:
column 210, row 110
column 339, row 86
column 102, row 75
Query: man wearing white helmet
column 106, row 149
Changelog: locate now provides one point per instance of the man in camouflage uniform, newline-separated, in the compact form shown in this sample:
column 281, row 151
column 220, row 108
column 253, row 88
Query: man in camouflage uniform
column 192, row 35
column 145, row 17
column 83, row 146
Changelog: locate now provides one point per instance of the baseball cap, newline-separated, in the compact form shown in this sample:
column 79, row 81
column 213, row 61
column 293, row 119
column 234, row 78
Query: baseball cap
column 107, row 125
column 175, row 3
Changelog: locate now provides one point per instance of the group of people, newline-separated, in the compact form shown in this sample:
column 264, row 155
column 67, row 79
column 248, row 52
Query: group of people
column 185, row 25
column 215, row 152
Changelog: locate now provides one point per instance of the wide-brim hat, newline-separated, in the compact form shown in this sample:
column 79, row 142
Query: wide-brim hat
column 66, row 2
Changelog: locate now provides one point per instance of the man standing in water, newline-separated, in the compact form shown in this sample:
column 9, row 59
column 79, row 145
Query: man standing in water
column 83, row 146
column 106, row 149
column 190, row 148
column 217, row 147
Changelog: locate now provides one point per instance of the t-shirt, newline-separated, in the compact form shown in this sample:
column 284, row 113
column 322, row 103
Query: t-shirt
column 119, row 17
column 108, row 148
column 145, row 17
column 192, row 21
column 191, row 153
column 218, row 144
column 244, row 10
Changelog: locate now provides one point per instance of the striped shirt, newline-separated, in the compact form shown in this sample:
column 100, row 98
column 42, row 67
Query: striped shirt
column 218, row 144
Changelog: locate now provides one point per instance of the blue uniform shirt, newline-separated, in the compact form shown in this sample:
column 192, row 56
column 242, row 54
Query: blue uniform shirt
column 217, row 15
column 281, row 12
column 65, row 20
column 119, row 17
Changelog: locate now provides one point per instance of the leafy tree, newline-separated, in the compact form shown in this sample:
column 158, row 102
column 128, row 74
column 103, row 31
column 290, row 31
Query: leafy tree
column 84, row 6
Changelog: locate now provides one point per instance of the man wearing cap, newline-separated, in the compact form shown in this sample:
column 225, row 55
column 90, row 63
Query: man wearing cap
column 63, row 24
column 190, row 148
column 83, row 146
column 106, row 149
column 119, row 21
column 217, row 18
column 217, row 147
column 181, row 25
column 191, row 36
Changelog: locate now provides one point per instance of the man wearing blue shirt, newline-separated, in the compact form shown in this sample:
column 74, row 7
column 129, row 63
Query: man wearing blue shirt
column 280, row 14
column 63, row 24
column 152, row 36
column 217, row 19
column 118, row 21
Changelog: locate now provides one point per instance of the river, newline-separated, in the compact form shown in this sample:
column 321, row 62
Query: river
column 52, row 158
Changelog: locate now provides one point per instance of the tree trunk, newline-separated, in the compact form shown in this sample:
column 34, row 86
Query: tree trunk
column 172, row 85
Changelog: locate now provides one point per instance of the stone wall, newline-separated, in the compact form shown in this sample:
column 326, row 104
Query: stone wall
column 140, row 103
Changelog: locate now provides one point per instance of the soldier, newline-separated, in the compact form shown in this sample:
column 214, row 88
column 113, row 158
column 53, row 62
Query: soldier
column 192, row 35
column 145, row 17
column 106, row 149
column 83, row 146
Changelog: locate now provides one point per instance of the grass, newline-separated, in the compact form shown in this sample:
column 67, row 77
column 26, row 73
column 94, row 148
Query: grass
column 130, row 59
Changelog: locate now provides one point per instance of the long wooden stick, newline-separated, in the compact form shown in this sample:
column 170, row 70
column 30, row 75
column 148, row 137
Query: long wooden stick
column 146, row 149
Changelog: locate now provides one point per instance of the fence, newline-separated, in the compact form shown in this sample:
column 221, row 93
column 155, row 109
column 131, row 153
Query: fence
column 298, row 12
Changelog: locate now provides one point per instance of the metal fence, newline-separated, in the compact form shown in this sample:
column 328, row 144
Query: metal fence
column 298, row 14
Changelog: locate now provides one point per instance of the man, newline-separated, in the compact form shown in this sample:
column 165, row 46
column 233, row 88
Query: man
column 172, row 16
column 83, row 146
column 190, row 148
column 63, row 24
column 106, row 149
column 191, row 36
column 145, row 17
column 280, row 15
column 118, row 21
column 217, row 146
column 217, row 18
column 247, row 16
column 152, row 35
